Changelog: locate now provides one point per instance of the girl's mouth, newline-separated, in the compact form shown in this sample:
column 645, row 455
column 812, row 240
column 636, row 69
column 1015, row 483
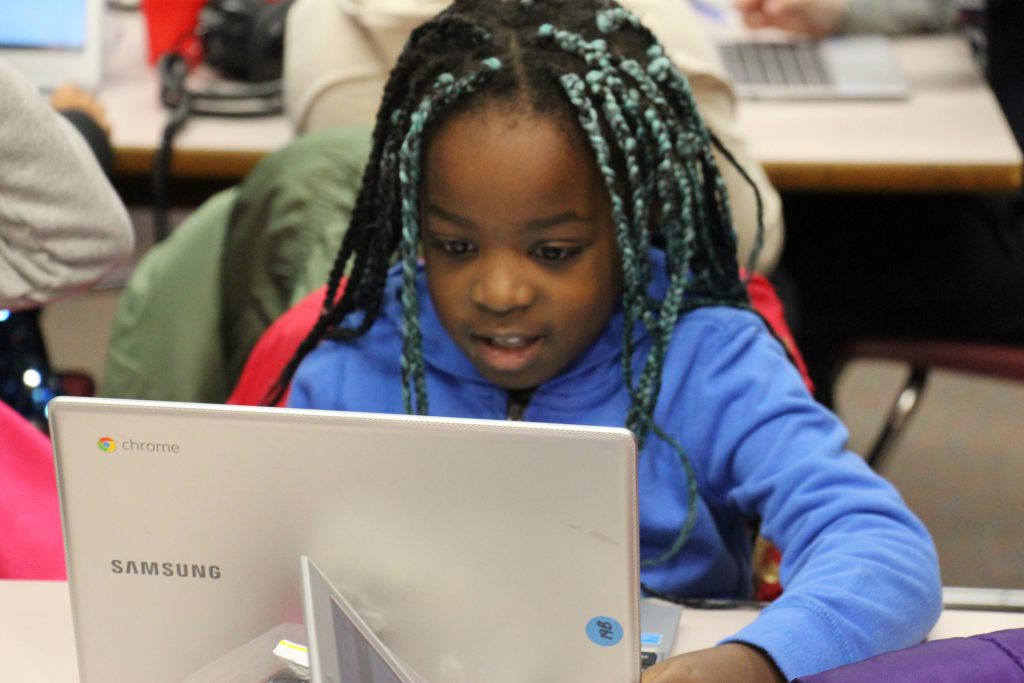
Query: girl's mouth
column 507, row 353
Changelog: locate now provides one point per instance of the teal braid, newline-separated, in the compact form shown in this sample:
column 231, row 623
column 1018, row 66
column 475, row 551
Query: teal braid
column 636, row 269
column 755, row 249
column 678, row 85
column 446, row 90
column 687, row 144
column 634, row 264
column 619, row 106
column 634, row 284
column 680, row 249
column 640, row 267
column 676, row 180
column 613, row 19
column 412, row 355
column 594, row 54
column 691, row 502
column 674, row 142
column 671, row 141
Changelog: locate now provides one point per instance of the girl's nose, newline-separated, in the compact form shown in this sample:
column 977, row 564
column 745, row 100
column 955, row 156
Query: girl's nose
column 502, row 289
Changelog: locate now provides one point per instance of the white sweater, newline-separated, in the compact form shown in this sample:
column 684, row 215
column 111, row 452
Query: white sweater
column 62, row 225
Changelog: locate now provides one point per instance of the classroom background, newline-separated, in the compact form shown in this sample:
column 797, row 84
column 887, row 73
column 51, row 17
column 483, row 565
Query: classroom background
column 957, row 464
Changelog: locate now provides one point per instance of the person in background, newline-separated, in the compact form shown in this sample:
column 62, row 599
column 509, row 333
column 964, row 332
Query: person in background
column 89, row 118
column 819, row 18
column 62, row 227
column 936, row 266
column 542, row 233
column 62, row 224
column 1001, row 31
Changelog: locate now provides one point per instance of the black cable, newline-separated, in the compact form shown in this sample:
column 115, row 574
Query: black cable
column 252, row 100
column 162, row 164
column 700, row 603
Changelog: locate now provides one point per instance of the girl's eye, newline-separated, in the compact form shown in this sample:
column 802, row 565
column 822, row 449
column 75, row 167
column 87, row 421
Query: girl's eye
column 550, row 253
column 454, row 247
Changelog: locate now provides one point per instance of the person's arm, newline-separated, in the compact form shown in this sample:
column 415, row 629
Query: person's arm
column 89, row 118
column 898, row 16
column 859, row 571
column 62, row 225
column 820, row 18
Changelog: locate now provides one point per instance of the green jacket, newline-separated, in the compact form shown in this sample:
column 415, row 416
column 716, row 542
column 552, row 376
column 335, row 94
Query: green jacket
column 198, row 301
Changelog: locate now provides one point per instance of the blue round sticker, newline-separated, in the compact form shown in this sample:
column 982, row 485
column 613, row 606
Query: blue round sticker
column 604, row 631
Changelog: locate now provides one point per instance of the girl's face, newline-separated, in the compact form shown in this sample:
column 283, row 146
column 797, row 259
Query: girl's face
column 521, row 259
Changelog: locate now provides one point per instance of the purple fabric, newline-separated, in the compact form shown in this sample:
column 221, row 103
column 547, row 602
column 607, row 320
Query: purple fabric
column 988, row 658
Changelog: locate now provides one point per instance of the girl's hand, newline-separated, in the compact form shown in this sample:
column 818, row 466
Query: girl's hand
column 729, row 663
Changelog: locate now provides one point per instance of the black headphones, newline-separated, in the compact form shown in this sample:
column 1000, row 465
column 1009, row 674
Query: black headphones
column 243, row 40
column 216, row 99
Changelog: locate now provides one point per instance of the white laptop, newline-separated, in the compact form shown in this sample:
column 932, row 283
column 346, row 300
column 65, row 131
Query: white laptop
column 770, row 63
column 477, row 550
column 841, row 67
column 343, row 648
column 53, row 41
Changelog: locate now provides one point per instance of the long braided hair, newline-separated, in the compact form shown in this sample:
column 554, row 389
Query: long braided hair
column 595, row 63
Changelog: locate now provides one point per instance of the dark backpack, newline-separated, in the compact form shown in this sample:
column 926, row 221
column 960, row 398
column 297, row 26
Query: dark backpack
column 27, row 382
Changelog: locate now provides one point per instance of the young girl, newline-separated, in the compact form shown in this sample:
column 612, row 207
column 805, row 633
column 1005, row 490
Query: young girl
column 546, row 162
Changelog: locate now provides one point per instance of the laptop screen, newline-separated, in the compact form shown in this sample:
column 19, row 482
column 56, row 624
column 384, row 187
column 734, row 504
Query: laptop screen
column 358, row 660
column 43, row 24
column 53, row 41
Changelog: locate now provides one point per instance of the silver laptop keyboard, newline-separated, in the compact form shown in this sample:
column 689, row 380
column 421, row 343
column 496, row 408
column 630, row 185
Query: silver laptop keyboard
column 779, row 63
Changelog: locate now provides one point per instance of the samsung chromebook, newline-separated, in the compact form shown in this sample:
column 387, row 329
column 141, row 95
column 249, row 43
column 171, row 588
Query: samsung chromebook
column 479, row 551
column 54, row 41
column 841, row 67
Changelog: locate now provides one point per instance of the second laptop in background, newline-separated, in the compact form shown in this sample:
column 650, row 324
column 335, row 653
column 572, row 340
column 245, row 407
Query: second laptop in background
column 843, row 67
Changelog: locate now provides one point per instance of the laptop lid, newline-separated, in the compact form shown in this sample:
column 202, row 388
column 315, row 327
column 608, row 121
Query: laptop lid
column 53, row 41
column 841, row 67
column 462, row 542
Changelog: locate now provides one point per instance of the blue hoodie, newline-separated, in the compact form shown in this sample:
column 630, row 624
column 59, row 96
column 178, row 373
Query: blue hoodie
column 859, row 571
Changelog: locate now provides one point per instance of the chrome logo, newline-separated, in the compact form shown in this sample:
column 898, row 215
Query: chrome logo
column 106, row 444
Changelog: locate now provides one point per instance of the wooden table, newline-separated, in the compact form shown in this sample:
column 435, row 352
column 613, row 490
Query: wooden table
column 949, row 136
column 37, row 640
column 207, row 147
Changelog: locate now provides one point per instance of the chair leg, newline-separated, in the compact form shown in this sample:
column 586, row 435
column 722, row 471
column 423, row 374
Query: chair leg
column 904, row 406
